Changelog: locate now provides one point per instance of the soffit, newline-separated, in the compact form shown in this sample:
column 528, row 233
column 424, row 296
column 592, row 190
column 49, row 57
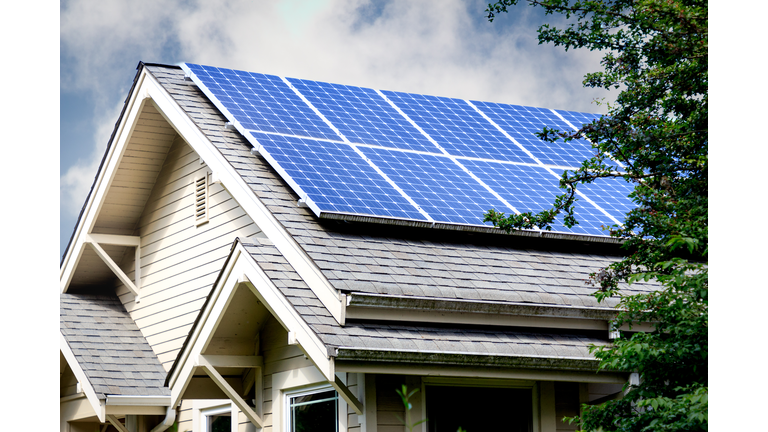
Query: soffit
column 120, row 212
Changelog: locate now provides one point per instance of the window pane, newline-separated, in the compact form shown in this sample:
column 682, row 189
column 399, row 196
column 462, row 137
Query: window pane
column 220, row 423
column 478, row 409
column 314, row 413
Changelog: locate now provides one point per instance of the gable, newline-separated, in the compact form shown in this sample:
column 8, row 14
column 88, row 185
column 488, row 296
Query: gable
column 142, row 209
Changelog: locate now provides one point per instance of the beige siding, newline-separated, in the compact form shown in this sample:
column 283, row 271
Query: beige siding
column 179, row 260
column 267, row 406
column 184, row 418
column 388, row 403
column 278, row 355
column 68, row 382
column 353, row 424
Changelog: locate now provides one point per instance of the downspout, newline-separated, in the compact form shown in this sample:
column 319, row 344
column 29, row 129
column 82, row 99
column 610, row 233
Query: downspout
column 170, row 417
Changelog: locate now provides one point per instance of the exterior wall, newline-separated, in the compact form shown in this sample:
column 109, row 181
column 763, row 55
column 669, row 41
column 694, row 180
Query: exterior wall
column 566, row 404
column 179, row 260
column 278, row 357
column 388, row 404
column 353, row 424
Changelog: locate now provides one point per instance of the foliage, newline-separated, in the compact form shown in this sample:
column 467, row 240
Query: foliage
column 405, row 396
column 656, row 137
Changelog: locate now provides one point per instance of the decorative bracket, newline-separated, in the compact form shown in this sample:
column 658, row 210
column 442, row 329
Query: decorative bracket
column 95, row 240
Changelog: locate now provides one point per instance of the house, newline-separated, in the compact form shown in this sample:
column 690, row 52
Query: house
column 236, row 267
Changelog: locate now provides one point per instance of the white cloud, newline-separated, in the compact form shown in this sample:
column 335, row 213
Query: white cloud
column 75, row 183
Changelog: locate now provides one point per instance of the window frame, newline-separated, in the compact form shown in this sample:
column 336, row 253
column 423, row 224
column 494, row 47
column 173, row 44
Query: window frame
column 304, row 391
column 205, row 408
column 482, row 383
column 296, row 380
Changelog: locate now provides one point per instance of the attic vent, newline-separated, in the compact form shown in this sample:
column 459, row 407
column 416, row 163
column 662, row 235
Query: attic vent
column 201, row 200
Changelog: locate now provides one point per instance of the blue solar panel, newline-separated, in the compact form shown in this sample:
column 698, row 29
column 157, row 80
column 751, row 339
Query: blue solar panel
column 363, row 116
column 533, row 189
column 611, row 194
column 578, row 118
column 261, row 102
column 457, row 127
column 335, row 177
column 522, row 124
column 437, row 184
column 347, row 150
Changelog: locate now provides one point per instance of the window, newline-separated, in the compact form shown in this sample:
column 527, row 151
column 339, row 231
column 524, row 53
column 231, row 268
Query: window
column 313, row 410
column 218, row 419
column 500, row 409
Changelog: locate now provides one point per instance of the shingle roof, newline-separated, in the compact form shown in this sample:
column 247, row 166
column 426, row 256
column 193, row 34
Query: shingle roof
column 109, row 347
column 360, row 339
column 395, row 260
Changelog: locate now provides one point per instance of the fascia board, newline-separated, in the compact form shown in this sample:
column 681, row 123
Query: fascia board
column 263, row 287
column 97, row 405
column 245, row 197
column 243, row 269
column 125, row 400
column 203, row 331
column 103, row 180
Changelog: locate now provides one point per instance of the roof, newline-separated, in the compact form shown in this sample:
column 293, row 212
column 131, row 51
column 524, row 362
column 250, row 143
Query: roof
column 441, row 344
column 404, row 261
column 109, row 347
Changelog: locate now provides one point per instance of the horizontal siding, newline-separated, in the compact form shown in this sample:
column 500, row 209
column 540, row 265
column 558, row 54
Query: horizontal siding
column 179, row 261
column 388, row 403
column 67, row 383
column 184, row 418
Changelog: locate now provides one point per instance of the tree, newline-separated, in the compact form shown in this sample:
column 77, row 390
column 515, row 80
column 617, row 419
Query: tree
column 655, row 53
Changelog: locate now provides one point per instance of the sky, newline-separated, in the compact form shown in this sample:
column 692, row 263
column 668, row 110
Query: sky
column 444, row 48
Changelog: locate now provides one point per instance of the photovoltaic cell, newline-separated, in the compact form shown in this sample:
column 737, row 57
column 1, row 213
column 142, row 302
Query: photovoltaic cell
column 578, row 118
column 363, row 116
column 533, row 189
column 335, row 177
column 522, row 124
column 611, row 194
column 439, row 186
column 262, row 102
column 457, row 127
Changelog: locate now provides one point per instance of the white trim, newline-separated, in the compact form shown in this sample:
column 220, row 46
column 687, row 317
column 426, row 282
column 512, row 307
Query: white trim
column 116, row 423
column 104, row 178
column 97, row 405
column 113, row 266
column 252, row 276
column 202, row 408
column 229, row 391
column 287, row 384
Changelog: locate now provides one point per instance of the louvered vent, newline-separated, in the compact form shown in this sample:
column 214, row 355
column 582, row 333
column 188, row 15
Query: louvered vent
column 201, row 200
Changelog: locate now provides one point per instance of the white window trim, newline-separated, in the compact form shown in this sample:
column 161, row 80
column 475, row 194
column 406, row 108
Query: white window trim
column 296, row 381
column 287, row 395
column 202, row 408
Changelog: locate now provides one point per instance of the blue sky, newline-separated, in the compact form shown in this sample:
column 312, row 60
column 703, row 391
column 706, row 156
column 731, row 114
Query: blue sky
column 442, row 48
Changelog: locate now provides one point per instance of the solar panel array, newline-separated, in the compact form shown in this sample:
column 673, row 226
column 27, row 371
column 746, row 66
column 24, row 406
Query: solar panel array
column 356, row 151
